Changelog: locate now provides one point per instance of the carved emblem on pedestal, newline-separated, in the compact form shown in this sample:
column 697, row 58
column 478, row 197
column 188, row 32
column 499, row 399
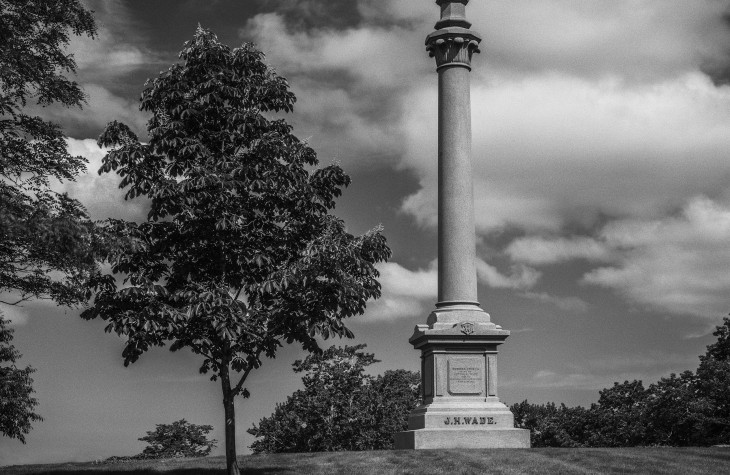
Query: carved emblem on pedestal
column 467, row 328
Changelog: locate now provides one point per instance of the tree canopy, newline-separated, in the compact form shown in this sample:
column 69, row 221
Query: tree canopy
column 47, row 241
column 179, row 439
column 46, row 238
column 17, row 405
column 341, row 407
column 239, row 253
column 689, row 409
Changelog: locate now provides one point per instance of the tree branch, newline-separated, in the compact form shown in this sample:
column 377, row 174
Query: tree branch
column 238, row 386
column 22, row 299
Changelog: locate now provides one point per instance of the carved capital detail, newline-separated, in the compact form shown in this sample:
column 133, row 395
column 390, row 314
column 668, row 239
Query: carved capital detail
column 453, row 46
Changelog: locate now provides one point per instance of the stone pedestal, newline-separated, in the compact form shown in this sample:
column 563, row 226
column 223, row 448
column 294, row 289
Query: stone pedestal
column 461, row 408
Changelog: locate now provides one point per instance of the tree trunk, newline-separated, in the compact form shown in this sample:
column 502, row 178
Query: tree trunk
column 230, row 412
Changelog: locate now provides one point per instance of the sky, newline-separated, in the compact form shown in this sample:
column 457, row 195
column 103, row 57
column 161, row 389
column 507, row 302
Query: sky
column 601, row 133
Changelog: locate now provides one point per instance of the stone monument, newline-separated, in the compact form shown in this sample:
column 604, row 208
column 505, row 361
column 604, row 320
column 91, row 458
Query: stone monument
column 459, row 341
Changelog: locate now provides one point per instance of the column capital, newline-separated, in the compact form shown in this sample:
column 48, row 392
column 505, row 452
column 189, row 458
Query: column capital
column 453, row 46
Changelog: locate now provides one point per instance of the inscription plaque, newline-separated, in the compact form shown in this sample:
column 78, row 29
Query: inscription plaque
column 465, row 376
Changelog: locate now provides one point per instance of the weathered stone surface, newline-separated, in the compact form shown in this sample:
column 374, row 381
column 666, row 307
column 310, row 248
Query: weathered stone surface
column 463, row 439
column 452, row 413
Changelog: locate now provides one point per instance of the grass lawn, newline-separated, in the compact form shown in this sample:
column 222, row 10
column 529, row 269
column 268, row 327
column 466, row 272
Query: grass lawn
column 715, row 460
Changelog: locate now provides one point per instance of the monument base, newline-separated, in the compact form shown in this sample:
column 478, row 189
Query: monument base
column 462, row 439
column 460, row 407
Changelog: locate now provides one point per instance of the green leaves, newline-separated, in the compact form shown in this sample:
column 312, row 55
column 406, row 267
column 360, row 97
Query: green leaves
column 239, row 252
column 16, row 388
column 688, row 409
column 47, row 242
column 179, row 439
column 341, row 407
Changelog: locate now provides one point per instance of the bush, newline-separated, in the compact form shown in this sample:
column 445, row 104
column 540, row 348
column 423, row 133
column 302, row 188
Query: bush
column 340, row 407
column 179, row 439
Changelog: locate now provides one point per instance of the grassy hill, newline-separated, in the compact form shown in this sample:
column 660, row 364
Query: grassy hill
column 713, row 460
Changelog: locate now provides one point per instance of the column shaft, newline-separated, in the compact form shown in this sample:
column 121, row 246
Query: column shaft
column 457, row 283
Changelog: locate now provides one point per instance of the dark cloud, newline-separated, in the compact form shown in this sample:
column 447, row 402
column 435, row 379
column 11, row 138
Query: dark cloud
column 308, row 14
column 718, row 68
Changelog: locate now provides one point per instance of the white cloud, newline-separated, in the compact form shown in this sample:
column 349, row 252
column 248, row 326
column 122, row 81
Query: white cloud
column 346, row 83
column 553, row 150
column 113, row 51
column 406, row 293
column 17, row 315
column 100, row 194
column 678, row 264
column 400, row 11
column 520, row 277
column 636, row 39
column 101, row 108
column 540, row 251
column 608, row 114
column 583, row 114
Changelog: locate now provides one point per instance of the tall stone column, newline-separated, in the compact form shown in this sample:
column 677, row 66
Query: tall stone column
column 453, row 46
column 459, row 342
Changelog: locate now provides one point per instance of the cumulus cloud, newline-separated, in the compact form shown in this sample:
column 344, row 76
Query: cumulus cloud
column 554, row 150
column 677, row 264
column 640, row 40
column 116, row 49
column 520, row 277
column 406, row 293
column 101, row 108
column 409, row 294
column 536, row 250
column 105, row 64
column 347, row 83
column 18, row 316
column 100, row 194
column 608, row 115
column 583, row 114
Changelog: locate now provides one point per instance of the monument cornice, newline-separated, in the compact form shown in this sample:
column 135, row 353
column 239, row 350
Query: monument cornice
column 453, row 46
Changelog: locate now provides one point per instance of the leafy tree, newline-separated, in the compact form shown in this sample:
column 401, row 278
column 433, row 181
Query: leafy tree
column 340, row 407
column 692, row 408
column 45, row 237
column 551, row 425
column 239, row 253
column 618, row 419
column 713, row 384
column 385, row 407
column 16, row 386
column 676, row 412
column 179, row 439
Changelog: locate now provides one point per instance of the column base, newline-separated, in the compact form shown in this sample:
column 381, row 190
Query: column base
column 462, row 439
column 461, row 408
